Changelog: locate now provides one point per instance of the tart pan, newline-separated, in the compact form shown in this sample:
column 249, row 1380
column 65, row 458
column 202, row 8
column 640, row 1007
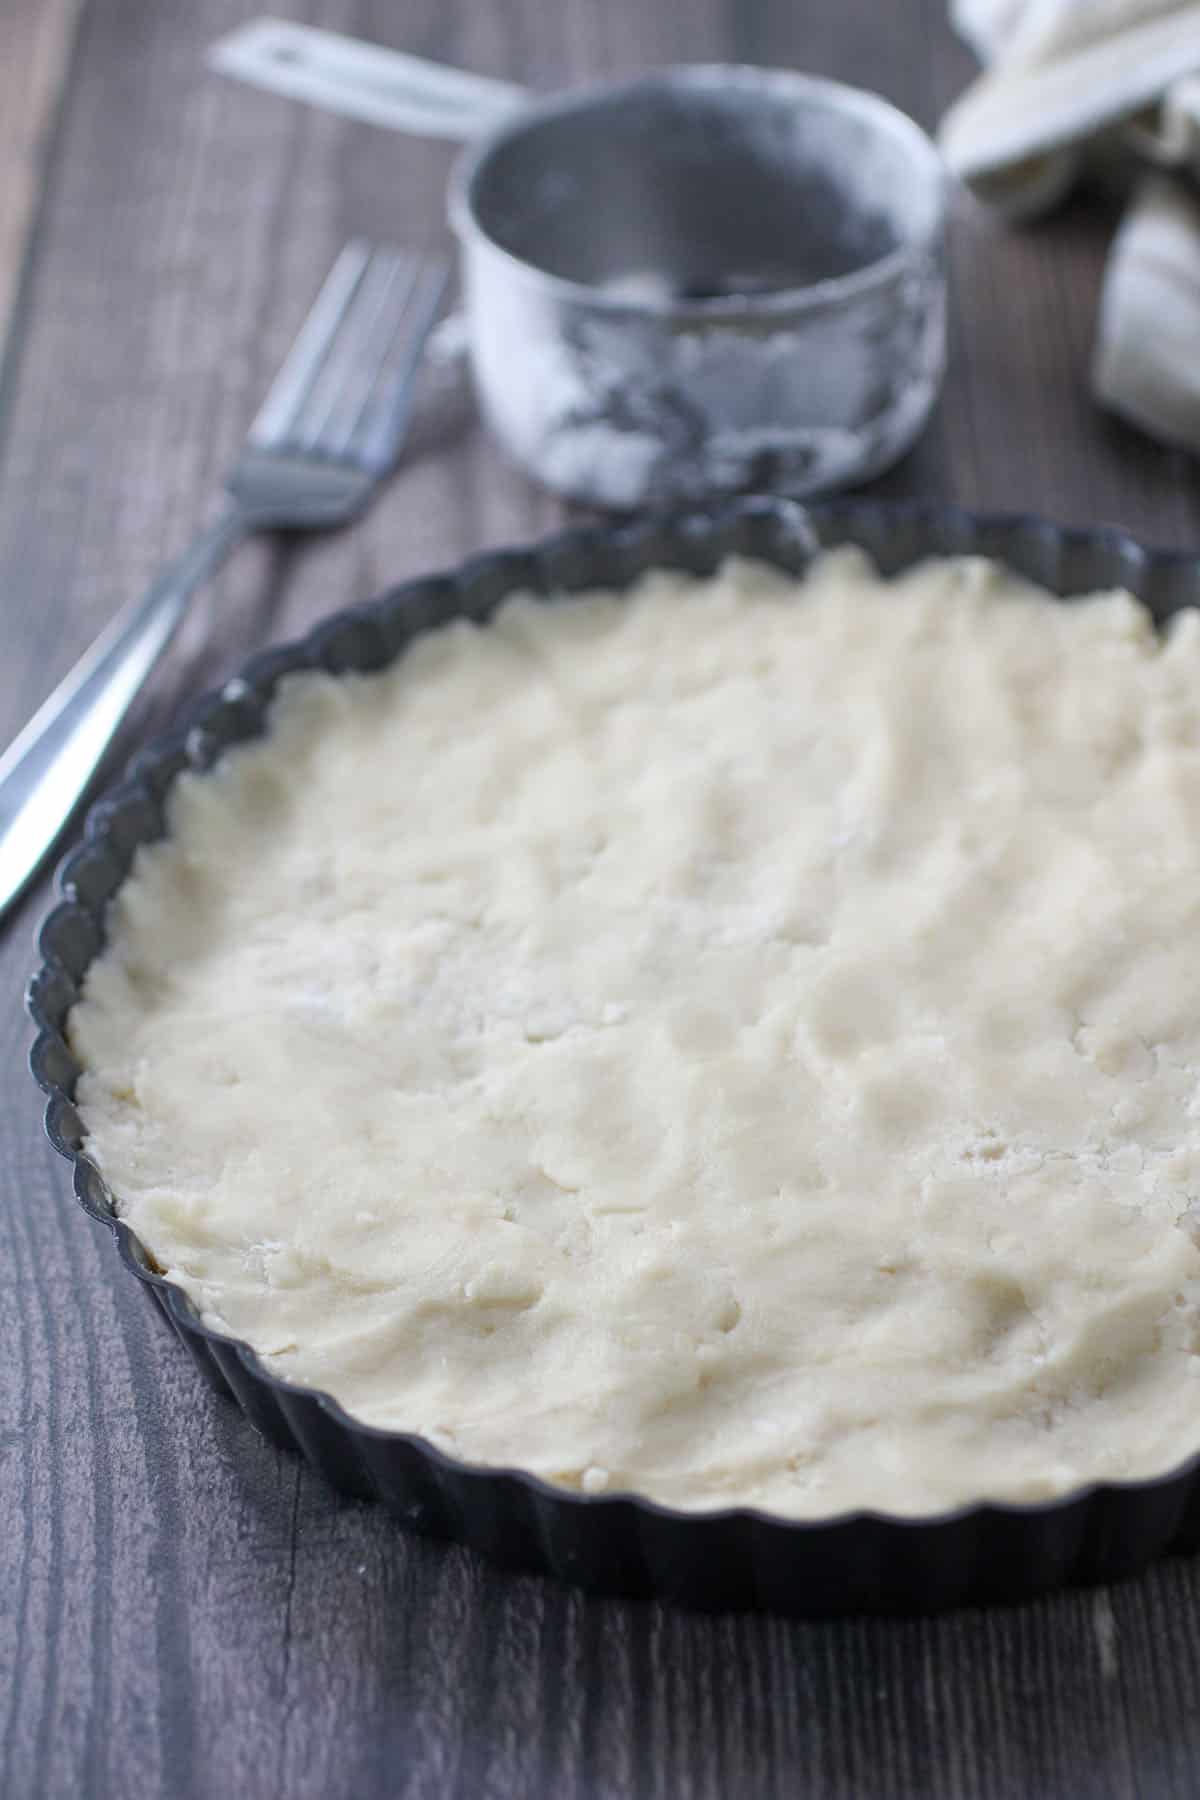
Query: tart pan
column 865, row 1561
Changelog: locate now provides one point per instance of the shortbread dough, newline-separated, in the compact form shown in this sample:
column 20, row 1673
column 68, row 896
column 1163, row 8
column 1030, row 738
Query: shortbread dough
column 735, row 1042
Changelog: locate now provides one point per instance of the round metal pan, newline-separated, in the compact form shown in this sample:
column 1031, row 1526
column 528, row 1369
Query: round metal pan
column 739, row 1558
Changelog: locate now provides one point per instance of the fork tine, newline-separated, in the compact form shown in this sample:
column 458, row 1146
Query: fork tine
column 295, row 379
column 333, row 404
column 399, row 325
column 382, row 419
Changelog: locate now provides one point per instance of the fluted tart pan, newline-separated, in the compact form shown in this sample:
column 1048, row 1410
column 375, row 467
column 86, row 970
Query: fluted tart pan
column 736, row 1558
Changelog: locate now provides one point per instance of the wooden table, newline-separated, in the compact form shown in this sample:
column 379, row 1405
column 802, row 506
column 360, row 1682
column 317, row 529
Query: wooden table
column 184, row 1610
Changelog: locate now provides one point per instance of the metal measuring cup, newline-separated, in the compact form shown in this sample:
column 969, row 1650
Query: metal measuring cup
column 703, row 280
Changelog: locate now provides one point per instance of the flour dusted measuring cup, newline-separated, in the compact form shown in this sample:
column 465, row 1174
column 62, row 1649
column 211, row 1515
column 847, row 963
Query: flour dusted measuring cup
column 702, row 280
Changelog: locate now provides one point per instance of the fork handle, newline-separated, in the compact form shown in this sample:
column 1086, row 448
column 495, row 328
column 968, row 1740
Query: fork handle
column 46, row 769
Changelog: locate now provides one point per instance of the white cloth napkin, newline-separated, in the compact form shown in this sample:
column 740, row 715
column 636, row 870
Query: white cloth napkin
column 1066, row 82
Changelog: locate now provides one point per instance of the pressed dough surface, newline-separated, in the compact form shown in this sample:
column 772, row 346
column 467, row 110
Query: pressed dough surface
column 736, row 1042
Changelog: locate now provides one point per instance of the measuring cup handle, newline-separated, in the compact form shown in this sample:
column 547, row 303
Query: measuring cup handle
column 365, row 81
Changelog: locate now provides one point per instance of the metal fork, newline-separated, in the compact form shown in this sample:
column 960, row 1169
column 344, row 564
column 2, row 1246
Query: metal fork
column 331, row 428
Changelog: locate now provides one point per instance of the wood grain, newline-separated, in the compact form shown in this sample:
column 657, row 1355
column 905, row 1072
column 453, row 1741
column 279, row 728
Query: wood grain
column 36, row 39
column 183, row 1609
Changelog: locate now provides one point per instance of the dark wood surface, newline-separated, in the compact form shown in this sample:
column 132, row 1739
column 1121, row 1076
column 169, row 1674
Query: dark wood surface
column 184, row 1610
